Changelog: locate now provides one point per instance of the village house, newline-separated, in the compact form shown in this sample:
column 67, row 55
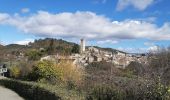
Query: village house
column 92, row 54
column 3, row 69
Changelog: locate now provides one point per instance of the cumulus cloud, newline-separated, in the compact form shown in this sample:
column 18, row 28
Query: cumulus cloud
column 86, row 25
column 139, row 4
column 133, row 50
column 4, row 17
column 154, row 49
column 24, row 42
column 25, row 10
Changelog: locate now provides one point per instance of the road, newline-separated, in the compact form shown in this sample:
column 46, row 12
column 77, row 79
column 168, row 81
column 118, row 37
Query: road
column 7, row 94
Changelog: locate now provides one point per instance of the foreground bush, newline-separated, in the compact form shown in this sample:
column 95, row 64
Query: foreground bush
column 129, row 89
column 105, row 92
column 15, row 72
column 39, row 91
column 44, row 70
column 29, row 91
column 71, row 74
column 103, row 83
column 64, row 72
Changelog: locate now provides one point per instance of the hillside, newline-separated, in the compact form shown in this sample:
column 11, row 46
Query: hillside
column 42, row 47
column 48, row 45
column 44, row 43
column 51, row 46
column 1, row 45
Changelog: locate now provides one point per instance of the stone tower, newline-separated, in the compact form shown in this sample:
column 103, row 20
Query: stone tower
column 82, row 46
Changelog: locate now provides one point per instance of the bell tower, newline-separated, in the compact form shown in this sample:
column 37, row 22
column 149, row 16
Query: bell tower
column 82, row 45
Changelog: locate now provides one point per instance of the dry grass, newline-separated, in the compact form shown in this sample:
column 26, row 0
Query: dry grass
column 70, row 72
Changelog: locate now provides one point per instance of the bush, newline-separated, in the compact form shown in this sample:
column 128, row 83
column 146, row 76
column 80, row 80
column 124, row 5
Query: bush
column 159, row 65
column 71, row 74
column 64, row 72
column 29, row 91
column 127, row 84
column 26, row 68
column 34, row 55
column 128, row 89
column 45, row 70
column 104, row 92
column 135, row 68
column 15, row 72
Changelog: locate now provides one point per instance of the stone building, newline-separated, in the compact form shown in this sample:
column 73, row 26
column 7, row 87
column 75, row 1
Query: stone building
column 3, row 69
column 82, row 46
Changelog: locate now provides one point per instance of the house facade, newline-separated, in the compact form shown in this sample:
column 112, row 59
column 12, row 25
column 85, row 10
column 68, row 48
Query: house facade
column 3, row 69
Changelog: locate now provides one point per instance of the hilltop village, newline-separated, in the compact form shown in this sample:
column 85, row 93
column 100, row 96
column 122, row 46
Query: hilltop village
column 74, row 71
column 52, row 49
column 89, row 54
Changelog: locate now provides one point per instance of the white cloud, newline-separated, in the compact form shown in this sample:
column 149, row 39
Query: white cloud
column 139, row 4
column 107, row 41
column 4, row 17
column 149, row 44
column 154, row 49
column 86, row 25
column 24, row 42
column 25, row 10
column 2, row 43
column 133, row 50
column 148, row 19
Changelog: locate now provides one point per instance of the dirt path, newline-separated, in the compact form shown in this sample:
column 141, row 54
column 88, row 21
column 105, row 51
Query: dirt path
column 7, row 94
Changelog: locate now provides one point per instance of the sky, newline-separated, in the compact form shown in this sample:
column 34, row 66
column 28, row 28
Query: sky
column 130, row 25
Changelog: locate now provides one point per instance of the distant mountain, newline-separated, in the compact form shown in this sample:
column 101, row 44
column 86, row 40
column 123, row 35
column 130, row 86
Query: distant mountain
column 14, row 46
column 1, row 46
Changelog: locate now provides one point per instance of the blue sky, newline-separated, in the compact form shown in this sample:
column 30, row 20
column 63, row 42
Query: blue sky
column 129, row 25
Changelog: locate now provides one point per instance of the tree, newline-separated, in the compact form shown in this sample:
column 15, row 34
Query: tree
column 51, row 47
column 34, row 55
column 75, row 49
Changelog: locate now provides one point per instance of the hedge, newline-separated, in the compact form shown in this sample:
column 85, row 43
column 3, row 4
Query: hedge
column 28, row 90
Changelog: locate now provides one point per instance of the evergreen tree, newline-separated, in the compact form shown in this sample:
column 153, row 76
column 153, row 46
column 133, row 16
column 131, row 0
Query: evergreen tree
column 75, row 49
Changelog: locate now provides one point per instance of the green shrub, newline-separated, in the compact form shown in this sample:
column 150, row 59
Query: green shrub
column 104, row 92
column 45, row 70
column 33, row 55
column 63, row 72
column 15, row 72
column 41, row 91
column 29, row 91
